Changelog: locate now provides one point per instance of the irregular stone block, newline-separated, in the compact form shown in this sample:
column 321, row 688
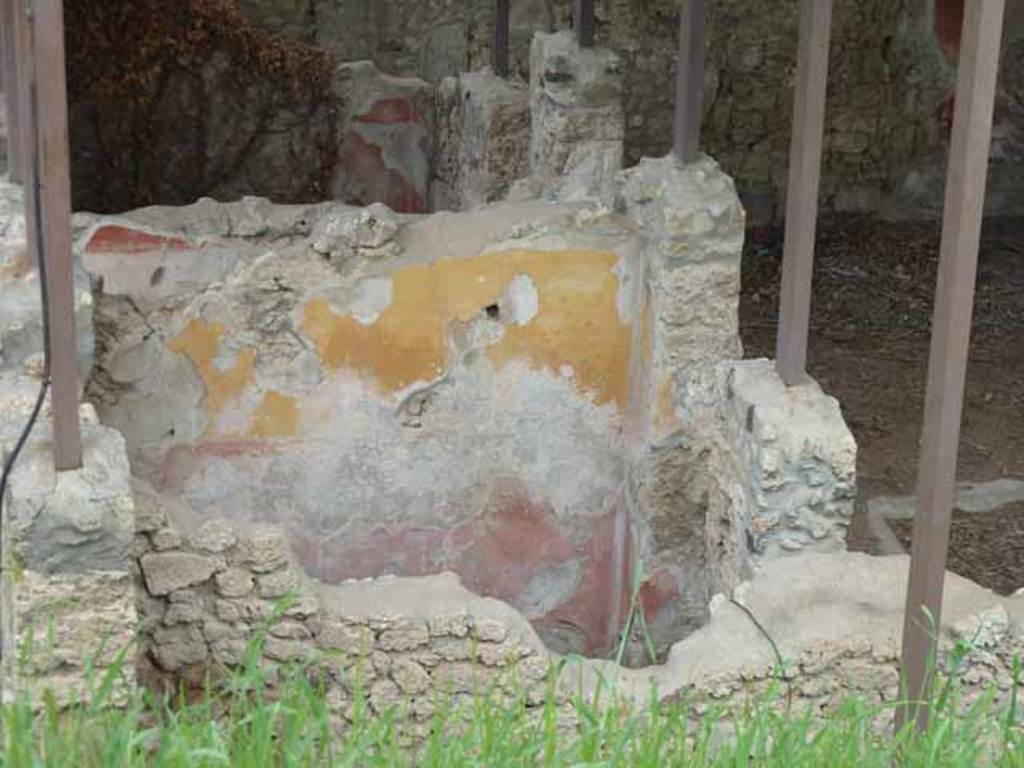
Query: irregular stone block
column 262, row 551
column 277, row 585
column 214, row 536
column 410, row 677
column 404, row 638
column 165, row 539
column 167, row 571
column 178, row 647
column 290, row 630
column 346, row 231
column 350, row 639
column 384, row 695
column 234, row 582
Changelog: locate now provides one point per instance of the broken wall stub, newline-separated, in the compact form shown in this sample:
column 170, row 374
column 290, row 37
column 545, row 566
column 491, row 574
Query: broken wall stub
column 482, row 140
column 67, row 598
column 577, row 130
column 796, row 460
column 836, row 621
column 892, row 75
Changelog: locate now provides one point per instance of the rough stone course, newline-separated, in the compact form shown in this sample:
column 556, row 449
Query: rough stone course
column 401, row 641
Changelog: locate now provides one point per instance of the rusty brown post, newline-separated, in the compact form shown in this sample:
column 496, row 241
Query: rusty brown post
column 585, row 22
column 48, row 207
column 690, row 80
column 12, row 63
column 951, row 333
column 499, row 45
column 802, row 195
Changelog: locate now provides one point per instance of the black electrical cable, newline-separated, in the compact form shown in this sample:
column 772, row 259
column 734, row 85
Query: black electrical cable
column 37, row 209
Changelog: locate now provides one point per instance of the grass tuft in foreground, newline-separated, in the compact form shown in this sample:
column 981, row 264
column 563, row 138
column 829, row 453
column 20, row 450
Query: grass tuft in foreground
column 254, row 724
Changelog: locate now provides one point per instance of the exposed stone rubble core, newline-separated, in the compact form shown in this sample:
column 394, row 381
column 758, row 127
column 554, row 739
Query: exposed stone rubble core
column 795, row 457
column 577, row 131
column 67, row 599
column 483, row 139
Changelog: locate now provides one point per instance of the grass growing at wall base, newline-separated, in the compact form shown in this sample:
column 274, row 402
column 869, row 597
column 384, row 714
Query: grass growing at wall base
column 254, row 724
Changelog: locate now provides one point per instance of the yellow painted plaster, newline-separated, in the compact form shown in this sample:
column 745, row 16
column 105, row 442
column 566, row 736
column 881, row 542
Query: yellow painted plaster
column 276, row 416
column 577, row 323
column 665, row 419
column 199, row 342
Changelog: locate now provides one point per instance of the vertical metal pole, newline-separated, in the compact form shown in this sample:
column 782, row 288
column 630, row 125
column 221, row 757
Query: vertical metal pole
column 584, row 21
column 12, row 64
column 951, row 333
column 49, row 217
column 802, row 195
column 690, row 80
column 499, row 45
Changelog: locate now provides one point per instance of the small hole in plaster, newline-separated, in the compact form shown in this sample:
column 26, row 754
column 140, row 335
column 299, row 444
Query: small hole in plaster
column 750, row 419
column 493, row 311
column 157, row 277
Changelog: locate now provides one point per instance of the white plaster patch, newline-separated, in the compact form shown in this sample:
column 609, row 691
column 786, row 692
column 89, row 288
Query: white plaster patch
column 520, row 302
column 624, row 297
column 375, row 295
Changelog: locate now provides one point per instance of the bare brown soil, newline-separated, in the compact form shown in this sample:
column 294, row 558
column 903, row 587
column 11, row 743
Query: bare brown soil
column 870, row 334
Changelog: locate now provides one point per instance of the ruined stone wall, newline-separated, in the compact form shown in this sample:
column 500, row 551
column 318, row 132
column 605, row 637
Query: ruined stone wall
column 214, row 597
column 889, row 101
column 403, row 395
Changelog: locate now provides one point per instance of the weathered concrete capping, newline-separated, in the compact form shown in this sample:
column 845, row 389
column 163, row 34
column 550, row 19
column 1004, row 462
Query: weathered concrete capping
column 67, row 600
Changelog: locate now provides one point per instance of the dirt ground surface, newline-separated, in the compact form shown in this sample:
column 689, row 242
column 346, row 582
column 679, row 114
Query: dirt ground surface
column 987, row 547
column 874, row 286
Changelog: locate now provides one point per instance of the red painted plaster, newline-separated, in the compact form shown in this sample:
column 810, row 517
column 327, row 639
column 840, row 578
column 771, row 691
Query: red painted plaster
column 390, row 111
column 949, row 20
column 364, row 164
column 114, row 238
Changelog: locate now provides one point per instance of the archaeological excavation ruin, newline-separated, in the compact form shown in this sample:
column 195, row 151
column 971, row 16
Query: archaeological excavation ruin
column 429, row 373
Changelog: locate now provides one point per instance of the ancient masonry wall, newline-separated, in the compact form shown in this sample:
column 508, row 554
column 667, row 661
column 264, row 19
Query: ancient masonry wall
column 887, row 124
column 89, row 557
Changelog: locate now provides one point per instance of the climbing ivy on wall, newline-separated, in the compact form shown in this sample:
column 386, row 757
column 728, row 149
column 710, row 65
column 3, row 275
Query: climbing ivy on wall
column 171, row 99
column 119, row 48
